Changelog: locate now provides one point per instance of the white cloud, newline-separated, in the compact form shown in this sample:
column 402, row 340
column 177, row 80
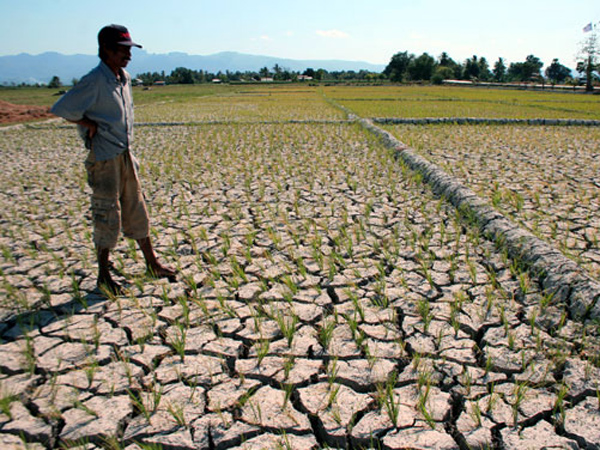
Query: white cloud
column 264, row 37
column 333, row 34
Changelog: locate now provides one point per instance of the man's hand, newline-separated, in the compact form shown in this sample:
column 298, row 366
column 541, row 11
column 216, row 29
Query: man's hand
column 91, row 126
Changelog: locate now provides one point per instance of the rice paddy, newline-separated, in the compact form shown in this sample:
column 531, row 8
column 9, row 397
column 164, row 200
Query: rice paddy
column 326, row 298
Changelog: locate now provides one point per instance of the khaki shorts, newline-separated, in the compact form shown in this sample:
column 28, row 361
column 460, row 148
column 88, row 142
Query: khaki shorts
column 117, row 200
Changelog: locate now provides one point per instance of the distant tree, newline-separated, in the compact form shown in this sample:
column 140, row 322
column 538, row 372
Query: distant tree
column 421, row 68
column 442, row 73
column 471, row 69
column 221, row 76
column 181, row 75
column 264, row 72
column 526, row 71
column 397, row 68
column 516, row 72
column 447, row 62
column 587, row 58
column 499, row 71
column 484, row 69
column 309, row 72
column 533, row 67
column 54, row 82
column 321, row 74
column 556, row 72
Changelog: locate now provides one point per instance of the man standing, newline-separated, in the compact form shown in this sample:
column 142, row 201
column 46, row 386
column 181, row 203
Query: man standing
column 101, row 105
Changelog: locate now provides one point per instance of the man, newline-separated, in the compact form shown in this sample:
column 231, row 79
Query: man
column 101, row 105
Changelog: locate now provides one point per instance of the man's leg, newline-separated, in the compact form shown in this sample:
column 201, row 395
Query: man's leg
column 155, row 268
column 105, row 281
column 104, row 180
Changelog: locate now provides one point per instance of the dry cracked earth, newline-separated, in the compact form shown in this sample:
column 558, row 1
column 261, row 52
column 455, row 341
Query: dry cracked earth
column 325, row 299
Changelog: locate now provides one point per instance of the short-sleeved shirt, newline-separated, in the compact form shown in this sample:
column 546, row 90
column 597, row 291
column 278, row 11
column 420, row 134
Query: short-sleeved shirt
column 107, row 100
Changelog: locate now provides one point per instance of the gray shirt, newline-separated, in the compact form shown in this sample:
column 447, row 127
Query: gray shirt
column 103, row 98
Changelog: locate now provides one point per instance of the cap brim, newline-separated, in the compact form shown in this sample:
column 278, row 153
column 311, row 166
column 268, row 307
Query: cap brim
column 130, row 44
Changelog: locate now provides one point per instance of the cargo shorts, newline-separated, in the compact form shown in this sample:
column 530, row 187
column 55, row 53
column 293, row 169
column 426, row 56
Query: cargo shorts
column 117, row 200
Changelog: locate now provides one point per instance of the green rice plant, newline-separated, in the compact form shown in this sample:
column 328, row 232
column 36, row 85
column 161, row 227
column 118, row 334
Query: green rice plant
column 79, row 405
column 7, row 254
column 287, row 325
column 332, row 395
column 352, row 323
column 558, row 410
column 424, row 310
column 358, row 307
column 262, row 349
column 325, row 332
column 29, row 354
column 475, row 413
column 185, row 310
column 90, row 371
column 177, row 412
column 139, row 404
column 520, row 392
column 511, row 340
column 524, row 282
column 178, row 339
column 237, row 269
column 148, row 446
column 5, row 402
column 332, row 371
column 284, row 443
column 386, row 398
column 289, row 282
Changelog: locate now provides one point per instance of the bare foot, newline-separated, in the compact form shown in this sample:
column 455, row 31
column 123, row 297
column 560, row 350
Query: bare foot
column 160, row 271
column 109, row 287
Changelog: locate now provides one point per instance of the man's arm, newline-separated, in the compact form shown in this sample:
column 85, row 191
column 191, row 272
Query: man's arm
column 73, row 105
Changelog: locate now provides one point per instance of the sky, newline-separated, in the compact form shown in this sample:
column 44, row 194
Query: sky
column 354, row 30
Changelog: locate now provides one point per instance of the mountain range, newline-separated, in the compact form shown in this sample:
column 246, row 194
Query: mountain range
column 32, row 69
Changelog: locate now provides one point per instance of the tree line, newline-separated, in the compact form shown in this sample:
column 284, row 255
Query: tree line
column 403, row 67
column 182, row 75
column 406, row 67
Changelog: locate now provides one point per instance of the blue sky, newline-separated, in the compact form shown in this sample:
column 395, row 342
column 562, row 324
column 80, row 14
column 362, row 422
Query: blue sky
column 357, row 30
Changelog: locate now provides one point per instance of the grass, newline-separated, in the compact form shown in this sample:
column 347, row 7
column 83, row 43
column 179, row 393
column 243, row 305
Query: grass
column 29, row 96
column 432, row 101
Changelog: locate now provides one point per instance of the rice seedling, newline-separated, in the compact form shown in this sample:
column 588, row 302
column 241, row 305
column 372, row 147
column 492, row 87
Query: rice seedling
column 424, row 310
column 80, row 405
column 262, row 349
column 177, row 412
column 287, row 325
column 178, row 339
column 5, row 401
column 325, row 332
column 387, row 399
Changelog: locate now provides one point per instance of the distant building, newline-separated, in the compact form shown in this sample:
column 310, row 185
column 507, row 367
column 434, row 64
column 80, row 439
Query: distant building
column 159, row 83
column 266, row 80
column 216, row 80
column 304, row 78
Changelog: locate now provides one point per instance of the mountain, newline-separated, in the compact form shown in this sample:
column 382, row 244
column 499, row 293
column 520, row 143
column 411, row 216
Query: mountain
column 26, row 68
